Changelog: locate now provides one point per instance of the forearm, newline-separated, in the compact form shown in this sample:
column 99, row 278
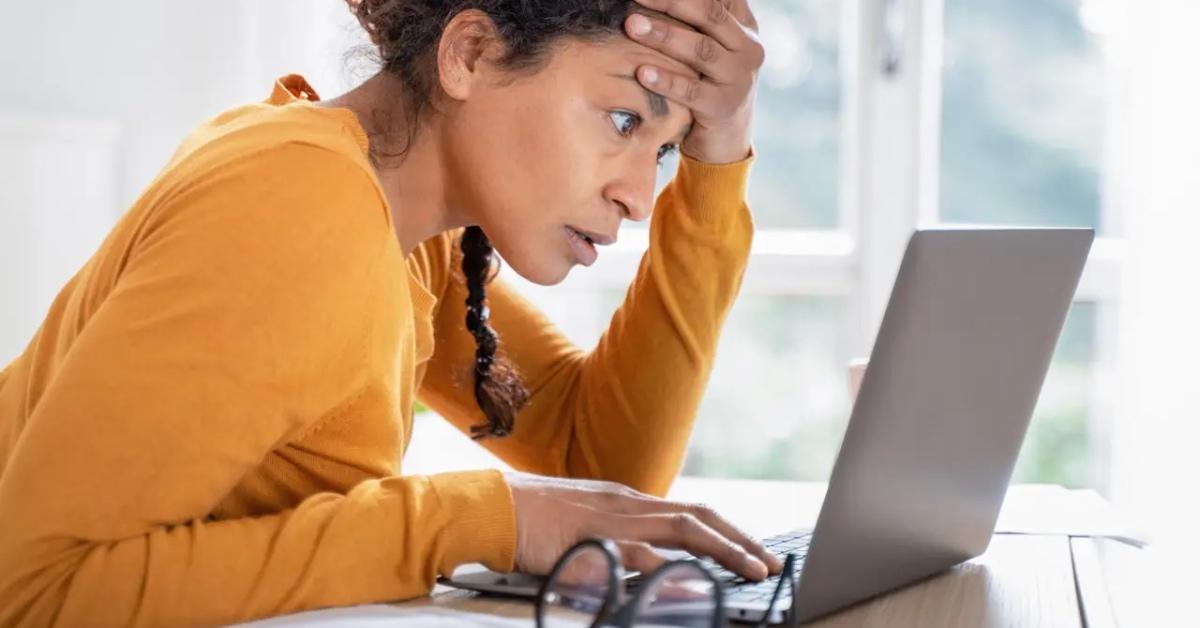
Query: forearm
column 639, row 391
column 387, row 539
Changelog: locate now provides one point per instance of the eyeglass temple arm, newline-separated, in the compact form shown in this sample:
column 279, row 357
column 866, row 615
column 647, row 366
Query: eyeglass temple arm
column 787, row 575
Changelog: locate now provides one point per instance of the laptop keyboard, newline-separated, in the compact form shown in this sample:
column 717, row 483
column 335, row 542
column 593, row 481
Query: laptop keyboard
column 738, row 589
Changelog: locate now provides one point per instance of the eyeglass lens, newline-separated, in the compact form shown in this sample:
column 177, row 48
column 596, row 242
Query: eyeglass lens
column 579, row 591
column 682, row 594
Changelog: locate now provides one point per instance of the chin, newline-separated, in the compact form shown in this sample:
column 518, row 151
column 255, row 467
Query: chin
column 543, row 272
column 536, row 260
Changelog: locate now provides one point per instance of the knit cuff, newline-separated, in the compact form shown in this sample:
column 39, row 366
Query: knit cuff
column 482, row 523
column 712, row 191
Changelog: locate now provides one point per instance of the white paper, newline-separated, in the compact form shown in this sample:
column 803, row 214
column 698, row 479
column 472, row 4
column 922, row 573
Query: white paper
column 384, row 615
column 1051, row 509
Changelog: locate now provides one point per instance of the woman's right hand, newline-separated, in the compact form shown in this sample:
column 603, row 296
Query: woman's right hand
column 555, row 513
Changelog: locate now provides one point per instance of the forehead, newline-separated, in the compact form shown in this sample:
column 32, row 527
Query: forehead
column 617, row 58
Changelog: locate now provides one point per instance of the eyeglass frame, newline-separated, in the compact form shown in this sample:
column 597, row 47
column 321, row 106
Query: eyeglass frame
column 622, row 615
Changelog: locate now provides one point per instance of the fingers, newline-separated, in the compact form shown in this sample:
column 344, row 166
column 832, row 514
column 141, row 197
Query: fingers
column 714, row 520
column 638, row 556
column 621, row 499
column 685, row 90
column 705, row 99
column 685, row 531
column 711, row 17
column 731, row 532
column 725, row 53
column 636, row 521
column 704, row 53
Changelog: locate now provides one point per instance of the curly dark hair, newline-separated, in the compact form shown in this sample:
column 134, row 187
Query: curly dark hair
column 404, row 34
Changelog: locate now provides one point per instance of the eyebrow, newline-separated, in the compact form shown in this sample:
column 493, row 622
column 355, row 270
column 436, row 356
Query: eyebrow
column 658, row 104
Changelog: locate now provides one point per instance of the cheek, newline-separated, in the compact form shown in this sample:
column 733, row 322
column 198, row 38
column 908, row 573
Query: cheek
column 536, row 159
column 528, row 164
column 551, row 152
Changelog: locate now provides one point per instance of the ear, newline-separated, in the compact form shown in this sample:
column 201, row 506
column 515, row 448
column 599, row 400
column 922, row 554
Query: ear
column 466, row 53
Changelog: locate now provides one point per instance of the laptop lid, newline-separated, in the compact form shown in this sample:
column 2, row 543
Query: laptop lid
column 956, row 369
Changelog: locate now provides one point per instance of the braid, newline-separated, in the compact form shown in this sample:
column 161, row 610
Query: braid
column 498, row 388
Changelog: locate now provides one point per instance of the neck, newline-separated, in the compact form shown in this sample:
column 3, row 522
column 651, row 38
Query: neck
column 415, row 184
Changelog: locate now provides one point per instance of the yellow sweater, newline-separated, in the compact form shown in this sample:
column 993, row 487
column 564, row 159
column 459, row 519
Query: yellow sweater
column 207, row 425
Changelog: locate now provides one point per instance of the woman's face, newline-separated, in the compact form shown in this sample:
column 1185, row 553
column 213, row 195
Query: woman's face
column 570, row 148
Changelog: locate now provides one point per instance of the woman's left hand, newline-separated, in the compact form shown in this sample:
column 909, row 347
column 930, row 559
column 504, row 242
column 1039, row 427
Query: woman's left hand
column 725, row 50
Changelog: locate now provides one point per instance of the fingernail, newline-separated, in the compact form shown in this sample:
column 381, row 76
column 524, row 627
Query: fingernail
column 650, row 74
column 639, row 24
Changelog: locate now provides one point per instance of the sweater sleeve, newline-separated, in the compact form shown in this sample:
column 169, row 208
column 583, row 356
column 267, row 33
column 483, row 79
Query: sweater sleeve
column 236, row 323
column 623, row 411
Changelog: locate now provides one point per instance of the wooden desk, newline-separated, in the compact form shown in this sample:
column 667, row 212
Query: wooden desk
column 1021, row 580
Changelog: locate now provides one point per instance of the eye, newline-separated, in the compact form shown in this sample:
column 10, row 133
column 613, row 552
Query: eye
column 625, row 122
column 664, row 150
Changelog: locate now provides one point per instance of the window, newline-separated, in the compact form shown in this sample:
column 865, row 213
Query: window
column 963, row 127
column 1024, row 114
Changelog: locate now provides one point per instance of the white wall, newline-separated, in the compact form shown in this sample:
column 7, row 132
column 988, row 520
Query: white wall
column 95, row 97
column 1155, row 462
column 57, row 199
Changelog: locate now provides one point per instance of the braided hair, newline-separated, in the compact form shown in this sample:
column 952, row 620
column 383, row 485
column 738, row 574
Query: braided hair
column 498, row 388
column 404, row 36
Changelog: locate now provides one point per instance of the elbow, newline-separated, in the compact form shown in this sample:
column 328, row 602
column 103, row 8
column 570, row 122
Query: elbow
column 34, row 586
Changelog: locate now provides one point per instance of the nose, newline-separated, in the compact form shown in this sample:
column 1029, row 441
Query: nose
column 633, row 192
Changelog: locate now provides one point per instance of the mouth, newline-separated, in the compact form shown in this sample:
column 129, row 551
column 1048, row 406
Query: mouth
column 593, row 237
column 583, row 244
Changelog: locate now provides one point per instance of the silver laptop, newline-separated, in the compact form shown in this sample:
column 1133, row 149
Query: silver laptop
column 925, row 462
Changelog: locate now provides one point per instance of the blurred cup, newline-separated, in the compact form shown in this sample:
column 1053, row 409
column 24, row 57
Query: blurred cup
column 858, row 367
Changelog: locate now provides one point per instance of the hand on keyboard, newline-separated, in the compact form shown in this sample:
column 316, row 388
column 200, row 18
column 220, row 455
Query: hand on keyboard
column 555, row 513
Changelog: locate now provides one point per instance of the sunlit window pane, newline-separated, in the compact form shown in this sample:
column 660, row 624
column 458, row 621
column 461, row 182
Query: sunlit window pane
column 1024, row 112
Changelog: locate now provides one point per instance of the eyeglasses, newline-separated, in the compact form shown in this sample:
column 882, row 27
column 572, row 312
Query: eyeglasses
column 588, row 587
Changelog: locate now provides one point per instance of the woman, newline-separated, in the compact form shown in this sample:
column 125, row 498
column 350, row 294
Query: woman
column 206, row 426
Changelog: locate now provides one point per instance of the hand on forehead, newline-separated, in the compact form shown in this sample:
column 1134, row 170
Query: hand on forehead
column 656, row 56
column 715, row 54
